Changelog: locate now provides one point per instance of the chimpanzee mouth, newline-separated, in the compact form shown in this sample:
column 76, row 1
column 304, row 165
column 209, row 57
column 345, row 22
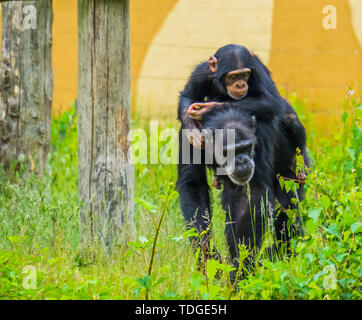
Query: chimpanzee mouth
column 238, row 97
column 241, row 180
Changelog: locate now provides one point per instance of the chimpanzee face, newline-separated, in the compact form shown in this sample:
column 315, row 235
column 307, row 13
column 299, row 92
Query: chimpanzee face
column 234, row 143
column 240, row 169
column 236, row 83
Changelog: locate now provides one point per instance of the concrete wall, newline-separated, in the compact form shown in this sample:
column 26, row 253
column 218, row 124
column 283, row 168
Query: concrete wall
column 168, row 37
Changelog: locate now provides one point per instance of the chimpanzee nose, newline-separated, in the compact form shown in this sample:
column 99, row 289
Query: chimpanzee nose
column 242, row 162
column 240, row 85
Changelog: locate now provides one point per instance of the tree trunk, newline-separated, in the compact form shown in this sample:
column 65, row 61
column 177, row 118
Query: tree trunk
column 26, row 83
column 103, row 106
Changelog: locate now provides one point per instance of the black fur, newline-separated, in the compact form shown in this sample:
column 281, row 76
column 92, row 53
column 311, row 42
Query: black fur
column 278, row 134
column 245, row 218
column 262, row 100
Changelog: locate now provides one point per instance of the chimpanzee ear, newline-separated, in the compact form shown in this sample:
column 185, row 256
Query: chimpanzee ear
column 213, row 64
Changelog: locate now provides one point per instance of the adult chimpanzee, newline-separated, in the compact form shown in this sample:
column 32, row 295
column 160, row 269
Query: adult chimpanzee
column 235, row 77
column 246, row 173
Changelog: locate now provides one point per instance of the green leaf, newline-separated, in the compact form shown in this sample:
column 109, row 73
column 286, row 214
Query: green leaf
column 158, row 282
column 141, row 282
column 311, row 226
column 14, row 239
column 149, row 206
column 281, row 182
column 352, row 153
column 284, row 290
column 340, row 256
column 333, row 229
column 195, row 281
column 5, row 256
column 143, row 239
column 177, row 239
column 135, row 244
column 283, row 275
column 360, row 271
column 213, row 291
column 226, row 267
column 190, row 233
column 359, row 111
column 203, row 232
column 348, row 219
column 325, row 202
column 346, row 295
column 314, row 214
column 197, row 253
column 356, row 227
column 136, row 292
column 212, row 267
column 173, row 194
column 289, row 185
column 317, row 275
column 205, row 296
column 148, row 281
column 309, row 257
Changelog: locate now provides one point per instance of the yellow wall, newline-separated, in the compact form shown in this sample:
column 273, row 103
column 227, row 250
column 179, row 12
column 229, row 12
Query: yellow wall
column 315, row 62
column 168, row 37
column 289, row 36
column 146, row 19
column 65, row 53
column 191, row 33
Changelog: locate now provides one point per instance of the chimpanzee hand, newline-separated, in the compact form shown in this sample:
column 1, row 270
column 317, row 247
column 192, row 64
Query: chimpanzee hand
column 301, row 177
column 217, row 183
column 194, row 136
column 196, row 110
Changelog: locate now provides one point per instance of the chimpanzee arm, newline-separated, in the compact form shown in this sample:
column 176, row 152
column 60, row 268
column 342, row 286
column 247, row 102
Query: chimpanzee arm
column 266, row 109
column 194, row 193
column 295, row 129
column 194, row 91
column 263, row 108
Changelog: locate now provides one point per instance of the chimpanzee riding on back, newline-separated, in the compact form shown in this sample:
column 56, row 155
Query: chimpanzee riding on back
column 234, row 83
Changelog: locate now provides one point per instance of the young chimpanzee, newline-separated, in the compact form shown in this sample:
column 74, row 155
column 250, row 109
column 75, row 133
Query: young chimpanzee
column 235, row 77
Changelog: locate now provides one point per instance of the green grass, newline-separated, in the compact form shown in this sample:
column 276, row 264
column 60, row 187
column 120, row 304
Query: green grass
column 39, row 232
